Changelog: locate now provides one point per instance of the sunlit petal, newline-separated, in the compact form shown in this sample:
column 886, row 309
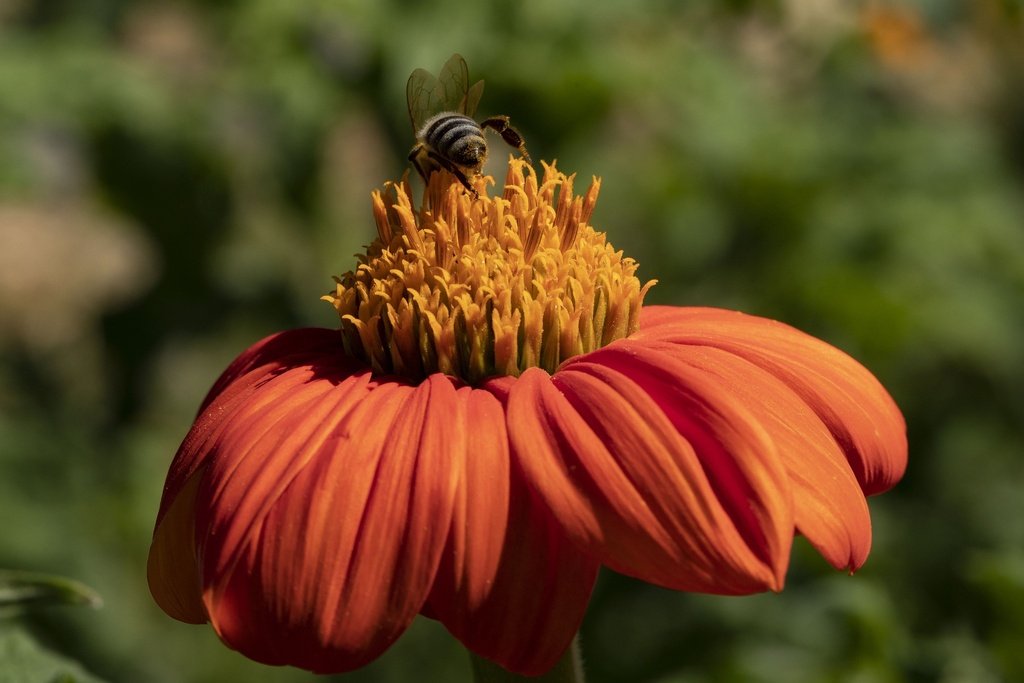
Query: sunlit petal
column 857, row 410
column 526, row 613
column 172, row 568
column 319, row 536
column 480, row 516
column 829, row 507
column 241, row 384
column 291, row 348
column 656, row 471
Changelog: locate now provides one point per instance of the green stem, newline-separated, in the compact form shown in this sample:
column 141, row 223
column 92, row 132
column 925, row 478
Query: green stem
column 568, row 670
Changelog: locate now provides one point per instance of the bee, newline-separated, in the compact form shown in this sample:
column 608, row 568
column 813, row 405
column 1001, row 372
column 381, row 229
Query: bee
column 447, row 136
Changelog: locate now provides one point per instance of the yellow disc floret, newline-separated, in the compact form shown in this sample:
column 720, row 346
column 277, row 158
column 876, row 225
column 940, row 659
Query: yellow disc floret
column 479, row 287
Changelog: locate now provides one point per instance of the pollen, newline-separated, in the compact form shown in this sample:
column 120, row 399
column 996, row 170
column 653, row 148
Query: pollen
column 477, row 287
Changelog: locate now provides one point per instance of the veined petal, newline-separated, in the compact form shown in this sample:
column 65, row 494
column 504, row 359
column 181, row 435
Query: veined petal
column 173, row 573
column 829, row 507
column 235, row 388
column 287, row 349
column 656, row 470
column 860, row 414
column 511, row 587
column 324, row 566
column 316, row 502
column 481, row 512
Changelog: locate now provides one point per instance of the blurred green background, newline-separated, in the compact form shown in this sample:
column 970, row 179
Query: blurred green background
column 179, row 179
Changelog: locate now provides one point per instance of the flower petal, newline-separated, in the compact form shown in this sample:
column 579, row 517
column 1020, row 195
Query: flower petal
column 287, row 349
column 857, row 410
column 322, row 500
column 172, row 568
column 480, row 515
column 521, row 603
column 323, row 566
column 656, row 470
column 264, row 360
column 829, row 507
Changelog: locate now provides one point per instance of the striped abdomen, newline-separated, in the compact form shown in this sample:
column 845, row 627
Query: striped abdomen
column 455, row 137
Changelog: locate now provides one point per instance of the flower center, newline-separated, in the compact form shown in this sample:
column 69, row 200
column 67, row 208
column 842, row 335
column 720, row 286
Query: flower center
column 480, row 287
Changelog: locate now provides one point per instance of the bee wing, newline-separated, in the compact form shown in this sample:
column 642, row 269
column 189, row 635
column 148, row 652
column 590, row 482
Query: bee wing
column 458, row 96
column 453, row 84
column 421, row 95
column 450, row 91
column 472, row 98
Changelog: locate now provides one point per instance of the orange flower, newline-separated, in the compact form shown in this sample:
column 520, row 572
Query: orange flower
column 497, row 419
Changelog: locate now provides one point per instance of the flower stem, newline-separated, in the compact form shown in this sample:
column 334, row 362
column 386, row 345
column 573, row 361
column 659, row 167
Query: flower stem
column 568, row 670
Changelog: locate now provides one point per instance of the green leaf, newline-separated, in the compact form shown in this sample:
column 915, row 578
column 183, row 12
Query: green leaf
column 18, row 589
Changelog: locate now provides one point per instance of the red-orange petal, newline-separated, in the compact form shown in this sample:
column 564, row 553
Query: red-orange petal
column 860, row 414
column 656, row 471
column 172, row 568
column 828, row 504
column 287, row 349
column 521, row 602
column 262, row 361
column 323, row 504
column 481, row 513
column 331, row 566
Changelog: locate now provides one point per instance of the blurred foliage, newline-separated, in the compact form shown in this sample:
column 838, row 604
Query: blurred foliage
column 24, row 660
column 178, row 179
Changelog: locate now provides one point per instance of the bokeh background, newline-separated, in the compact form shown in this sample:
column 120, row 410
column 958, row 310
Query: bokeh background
column 179, row 179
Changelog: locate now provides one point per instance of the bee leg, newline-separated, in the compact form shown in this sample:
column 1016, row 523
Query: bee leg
column 414, row 157
column 454, row 170
column 503, row 127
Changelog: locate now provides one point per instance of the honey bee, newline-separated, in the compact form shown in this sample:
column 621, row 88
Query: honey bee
column 447, row 136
